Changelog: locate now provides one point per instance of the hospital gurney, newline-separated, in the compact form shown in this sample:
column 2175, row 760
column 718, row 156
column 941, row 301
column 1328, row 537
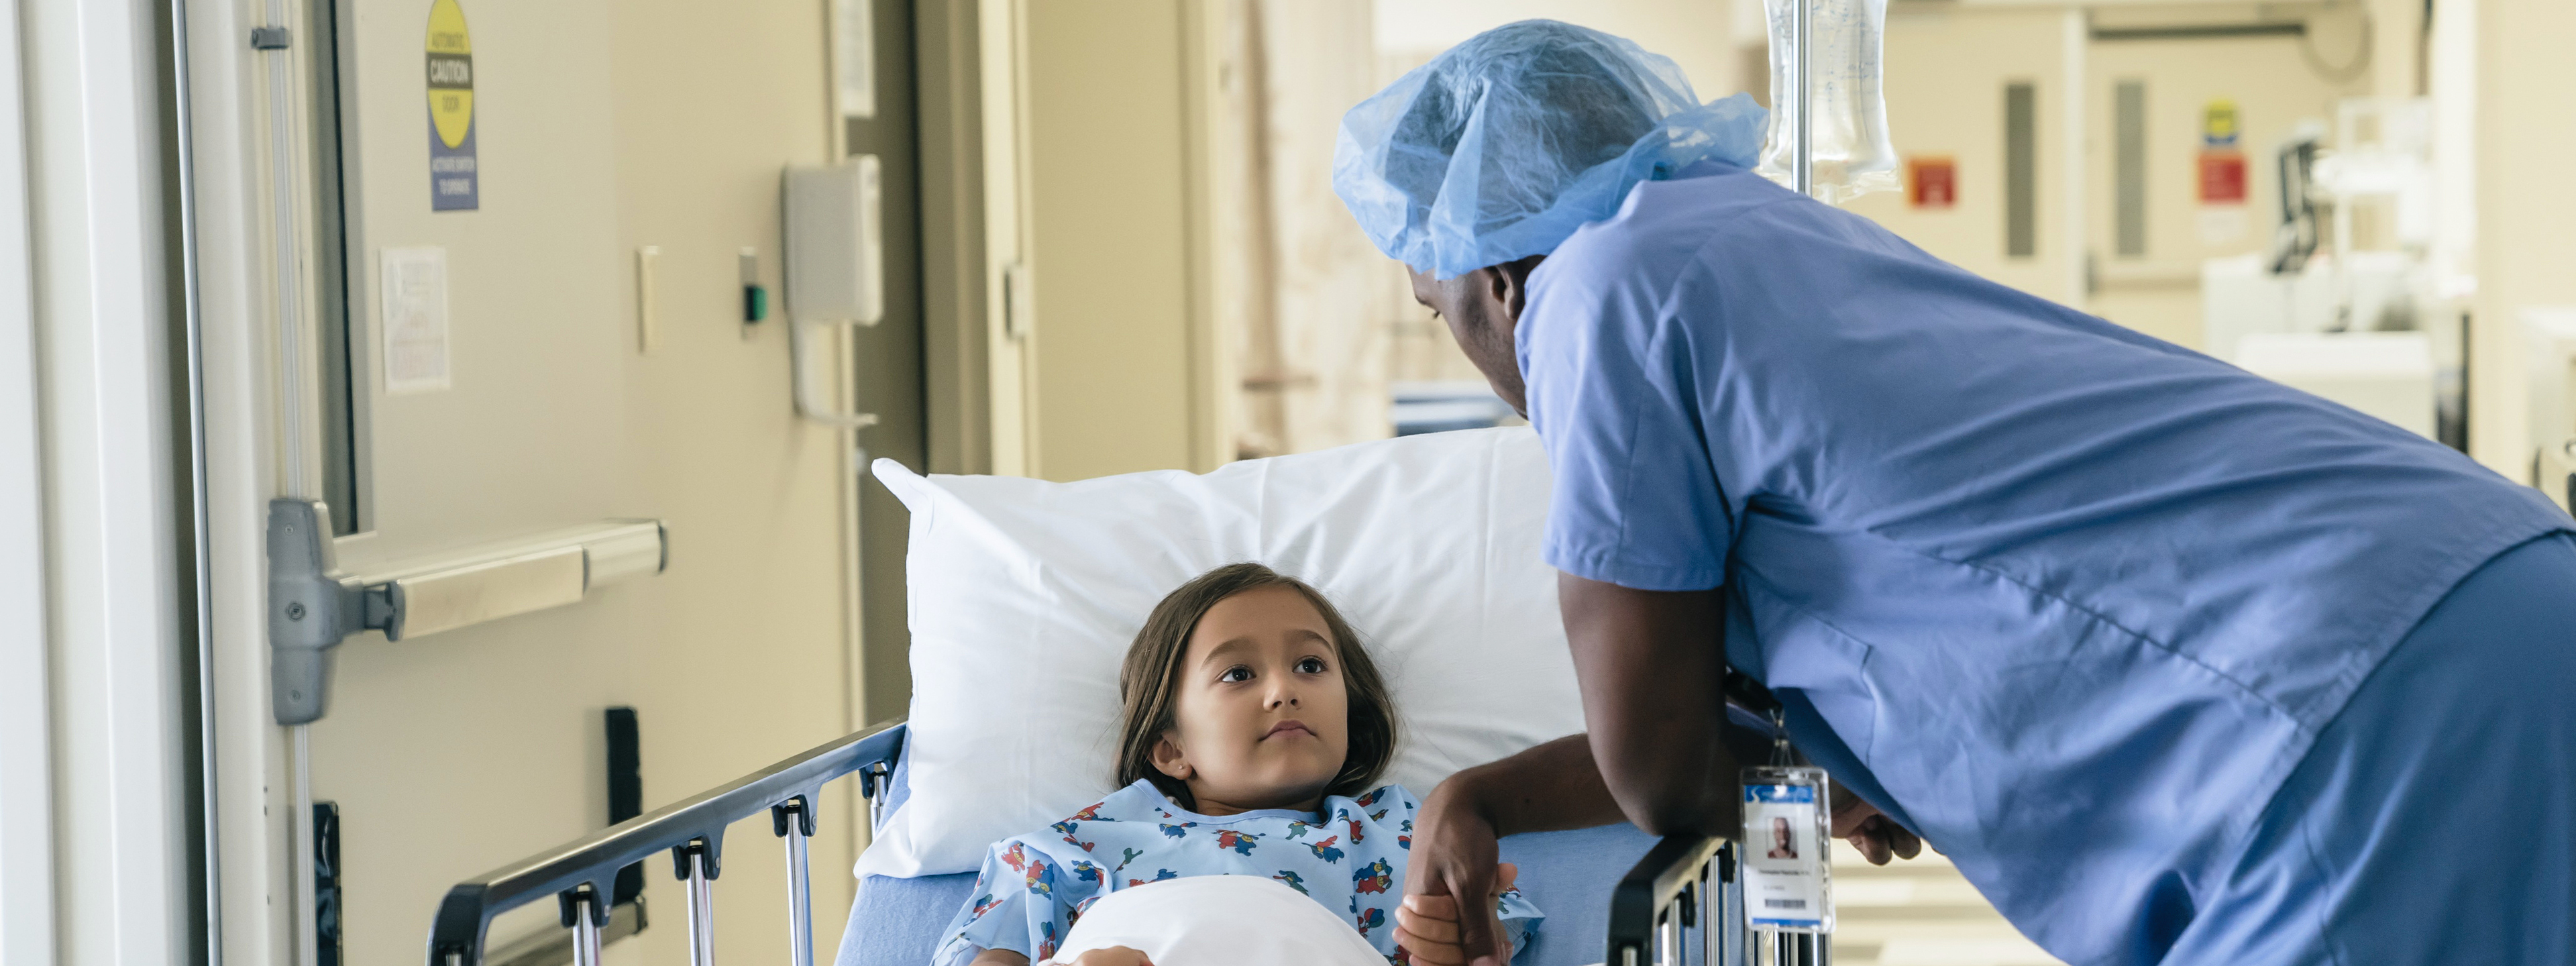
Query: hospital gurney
column 1676, row 904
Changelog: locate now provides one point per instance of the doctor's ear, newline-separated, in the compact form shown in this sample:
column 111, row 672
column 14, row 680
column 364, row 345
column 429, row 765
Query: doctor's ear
column 1170, row 760
column 1509, row 283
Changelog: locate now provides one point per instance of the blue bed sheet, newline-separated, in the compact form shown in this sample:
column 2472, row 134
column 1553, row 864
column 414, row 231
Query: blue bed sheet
column 896, row 922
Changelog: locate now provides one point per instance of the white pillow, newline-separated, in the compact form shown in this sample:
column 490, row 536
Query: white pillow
column 1025, row 595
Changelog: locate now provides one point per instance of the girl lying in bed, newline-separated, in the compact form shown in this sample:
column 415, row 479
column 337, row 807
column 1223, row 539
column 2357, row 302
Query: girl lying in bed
column 1254, row 728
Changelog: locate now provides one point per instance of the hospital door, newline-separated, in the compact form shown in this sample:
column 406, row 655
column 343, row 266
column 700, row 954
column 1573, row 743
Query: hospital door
column 543, row 244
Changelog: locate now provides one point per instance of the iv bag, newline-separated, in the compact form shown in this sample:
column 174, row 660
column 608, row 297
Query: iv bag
column 1853, row 156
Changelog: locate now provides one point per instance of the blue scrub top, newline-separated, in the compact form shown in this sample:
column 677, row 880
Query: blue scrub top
column 2067, row 600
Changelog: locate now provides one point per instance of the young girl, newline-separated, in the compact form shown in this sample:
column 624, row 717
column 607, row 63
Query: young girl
column 1254, row 728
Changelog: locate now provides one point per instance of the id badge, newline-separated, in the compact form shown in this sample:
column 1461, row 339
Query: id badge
column 1788, row 884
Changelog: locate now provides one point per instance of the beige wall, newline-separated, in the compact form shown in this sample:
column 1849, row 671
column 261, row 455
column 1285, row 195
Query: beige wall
column 1939, row 102
column 602, row 126
column 1123, row 377
column 1696, row 34
column 1314, row 343
column 1330, row 321
column 1113, row 165
column 2525, row 202
column 2274, row 89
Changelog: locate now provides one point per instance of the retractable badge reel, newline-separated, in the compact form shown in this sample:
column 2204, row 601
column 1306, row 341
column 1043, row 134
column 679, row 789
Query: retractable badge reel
column 1788, row 884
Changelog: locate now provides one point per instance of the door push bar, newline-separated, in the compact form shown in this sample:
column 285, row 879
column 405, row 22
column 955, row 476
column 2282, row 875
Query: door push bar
column 313, row 605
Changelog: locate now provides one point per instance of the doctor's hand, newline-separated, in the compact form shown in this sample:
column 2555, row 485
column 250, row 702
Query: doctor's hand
column 1450, row 883
column 1875, row 835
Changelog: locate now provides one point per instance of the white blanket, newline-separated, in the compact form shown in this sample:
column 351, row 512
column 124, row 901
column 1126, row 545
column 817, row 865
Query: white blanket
column 1220, row 920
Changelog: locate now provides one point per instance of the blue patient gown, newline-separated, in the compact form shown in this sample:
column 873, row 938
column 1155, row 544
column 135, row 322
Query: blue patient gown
column 2071, row 602
column 1350, row 858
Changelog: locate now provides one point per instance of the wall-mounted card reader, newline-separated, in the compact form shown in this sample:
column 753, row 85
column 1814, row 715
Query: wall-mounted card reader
column 836, row 243
column 312, row 606
column 835, row 266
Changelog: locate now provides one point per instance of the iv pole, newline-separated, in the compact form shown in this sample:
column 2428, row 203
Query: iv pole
column 1795, row 948
column 1802, row 137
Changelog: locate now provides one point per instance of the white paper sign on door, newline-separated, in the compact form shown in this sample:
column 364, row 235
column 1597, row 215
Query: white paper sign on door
column 415, row 319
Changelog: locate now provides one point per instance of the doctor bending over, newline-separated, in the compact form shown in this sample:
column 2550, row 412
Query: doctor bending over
column 2177, row 665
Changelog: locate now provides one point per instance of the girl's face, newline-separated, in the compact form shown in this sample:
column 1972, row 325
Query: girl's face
column 1261, row 719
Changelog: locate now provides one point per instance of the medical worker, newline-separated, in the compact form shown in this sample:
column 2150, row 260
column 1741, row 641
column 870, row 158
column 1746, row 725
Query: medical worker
column 2176, row 664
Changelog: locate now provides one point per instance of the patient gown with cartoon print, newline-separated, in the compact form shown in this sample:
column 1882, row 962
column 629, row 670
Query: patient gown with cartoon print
column 1349, row 857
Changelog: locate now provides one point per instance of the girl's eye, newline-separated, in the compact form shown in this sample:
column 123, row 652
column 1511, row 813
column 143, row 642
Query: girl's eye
column 1312, row 665
column 1235, row 675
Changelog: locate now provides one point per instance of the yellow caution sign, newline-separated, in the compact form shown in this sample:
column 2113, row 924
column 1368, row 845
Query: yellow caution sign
column 2218, row 126
column 455, row 182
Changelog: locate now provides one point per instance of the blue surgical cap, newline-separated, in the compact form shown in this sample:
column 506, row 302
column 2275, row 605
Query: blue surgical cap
column 1499, row 148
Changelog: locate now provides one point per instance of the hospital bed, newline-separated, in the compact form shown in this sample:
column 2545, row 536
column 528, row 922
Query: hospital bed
column 1013, row 582
column 1667, row 902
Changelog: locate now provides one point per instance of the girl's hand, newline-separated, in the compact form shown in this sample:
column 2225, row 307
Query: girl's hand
column 1111, row 956
column 1430, row 927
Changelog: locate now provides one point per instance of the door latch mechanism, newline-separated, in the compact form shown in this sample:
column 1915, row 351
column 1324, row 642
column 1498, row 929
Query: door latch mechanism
column 313, row 605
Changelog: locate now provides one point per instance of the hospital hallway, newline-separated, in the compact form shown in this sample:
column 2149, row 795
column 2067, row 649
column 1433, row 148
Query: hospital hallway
column 1919, row 912
column 659, row 482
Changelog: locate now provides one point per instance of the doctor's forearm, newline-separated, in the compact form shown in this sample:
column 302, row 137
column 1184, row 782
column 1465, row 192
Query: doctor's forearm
column 1651, row 665
column 1548, row 788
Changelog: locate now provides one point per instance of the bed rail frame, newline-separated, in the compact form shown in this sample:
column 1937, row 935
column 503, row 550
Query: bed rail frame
column 1682, row 905
column 578, row 875
column 1679, row 906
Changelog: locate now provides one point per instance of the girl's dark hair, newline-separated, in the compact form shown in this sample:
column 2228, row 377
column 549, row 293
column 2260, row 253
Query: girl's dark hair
column 1149, row 681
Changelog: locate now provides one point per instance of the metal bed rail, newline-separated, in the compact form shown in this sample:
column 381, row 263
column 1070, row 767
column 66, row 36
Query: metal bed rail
column 1680, row 905
column 579, row 875
column 1683, row 905
column 1681, row 897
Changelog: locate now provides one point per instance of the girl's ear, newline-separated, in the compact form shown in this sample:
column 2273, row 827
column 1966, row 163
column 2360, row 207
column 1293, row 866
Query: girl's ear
column 1170, row 760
